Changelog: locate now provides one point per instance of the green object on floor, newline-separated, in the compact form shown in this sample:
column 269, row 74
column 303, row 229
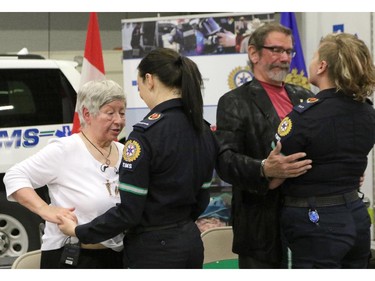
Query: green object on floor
column 371, row 213
column 223, row 264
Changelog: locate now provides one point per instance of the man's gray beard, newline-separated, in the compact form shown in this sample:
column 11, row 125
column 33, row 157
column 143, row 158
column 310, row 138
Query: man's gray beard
column 278, row 76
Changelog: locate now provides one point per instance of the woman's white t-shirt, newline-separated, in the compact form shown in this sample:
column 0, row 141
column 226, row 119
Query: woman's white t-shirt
column 74, row 179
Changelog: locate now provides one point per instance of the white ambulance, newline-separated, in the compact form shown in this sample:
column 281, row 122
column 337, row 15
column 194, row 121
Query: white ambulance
column 37, row 102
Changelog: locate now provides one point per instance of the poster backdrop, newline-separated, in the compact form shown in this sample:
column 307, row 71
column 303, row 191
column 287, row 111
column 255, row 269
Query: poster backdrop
column 216, row 42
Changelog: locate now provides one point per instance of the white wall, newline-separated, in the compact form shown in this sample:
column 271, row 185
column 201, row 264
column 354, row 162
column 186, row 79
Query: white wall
column 316, row 25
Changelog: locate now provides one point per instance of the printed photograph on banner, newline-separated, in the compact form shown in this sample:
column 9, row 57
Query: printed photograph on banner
column 213, row 41
column 192, row 35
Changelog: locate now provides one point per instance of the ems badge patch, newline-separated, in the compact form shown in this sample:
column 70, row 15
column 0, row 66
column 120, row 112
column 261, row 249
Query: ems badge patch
column 132, row 151
column 285, row 127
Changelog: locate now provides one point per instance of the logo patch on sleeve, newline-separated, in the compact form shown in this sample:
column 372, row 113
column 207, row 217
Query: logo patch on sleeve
column 132, row 151
column 285, row 127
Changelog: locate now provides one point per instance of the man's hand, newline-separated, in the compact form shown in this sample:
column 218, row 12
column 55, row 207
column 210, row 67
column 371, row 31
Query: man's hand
column 280, row 166
column 226, row 38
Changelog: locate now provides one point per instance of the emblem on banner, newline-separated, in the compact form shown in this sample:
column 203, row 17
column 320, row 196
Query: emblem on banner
column 239, row 76
column 297, row 78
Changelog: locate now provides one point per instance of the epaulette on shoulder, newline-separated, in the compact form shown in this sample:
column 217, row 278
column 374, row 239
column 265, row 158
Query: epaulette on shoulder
column 149, row 121
column 310, row 102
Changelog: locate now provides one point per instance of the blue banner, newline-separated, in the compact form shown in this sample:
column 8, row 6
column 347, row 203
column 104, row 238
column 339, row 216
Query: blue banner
column 298, row 73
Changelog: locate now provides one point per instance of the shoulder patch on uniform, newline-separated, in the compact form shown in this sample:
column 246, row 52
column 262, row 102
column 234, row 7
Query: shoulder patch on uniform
column 132, row 150
column 310, row 102
column 149, row 121
column 285, row 127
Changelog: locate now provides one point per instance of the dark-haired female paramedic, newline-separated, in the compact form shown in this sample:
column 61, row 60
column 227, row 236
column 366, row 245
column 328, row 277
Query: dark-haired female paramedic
column 167, row 167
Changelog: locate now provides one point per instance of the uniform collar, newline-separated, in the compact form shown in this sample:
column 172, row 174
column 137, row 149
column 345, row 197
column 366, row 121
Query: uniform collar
column 330, row 93
column 161, row 107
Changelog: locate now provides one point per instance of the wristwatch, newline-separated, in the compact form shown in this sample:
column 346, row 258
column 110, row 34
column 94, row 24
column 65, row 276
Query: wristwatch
column 262, row 168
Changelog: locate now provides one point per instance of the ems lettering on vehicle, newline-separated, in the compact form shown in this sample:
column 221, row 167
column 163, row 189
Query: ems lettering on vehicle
column 37, row 103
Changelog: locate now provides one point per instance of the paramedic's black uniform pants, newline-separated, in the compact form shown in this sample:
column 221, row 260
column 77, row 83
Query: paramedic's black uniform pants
column 177, row 247
column 340, row 239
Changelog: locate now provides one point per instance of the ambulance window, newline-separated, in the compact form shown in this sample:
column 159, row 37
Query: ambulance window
column 20, row 99
column 30, row 97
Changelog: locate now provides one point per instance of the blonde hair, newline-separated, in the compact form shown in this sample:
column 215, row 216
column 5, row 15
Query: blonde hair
column 350, row 65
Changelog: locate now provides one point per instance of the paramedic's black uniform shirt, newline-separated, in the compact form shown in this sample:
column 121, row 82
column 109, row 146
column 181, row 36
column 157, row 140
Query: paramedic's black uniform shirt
column 165, row 173
column 337, row 133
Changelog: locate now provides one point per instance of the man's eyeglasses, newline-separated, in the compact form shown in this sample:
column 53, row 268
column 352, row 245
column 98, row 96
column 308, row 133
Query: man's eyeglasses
column 279, row 51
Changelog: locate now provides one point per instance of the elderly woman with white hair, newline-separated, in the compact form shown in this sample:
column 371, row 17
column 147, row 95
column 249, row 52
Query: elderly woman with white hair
column 81, row 173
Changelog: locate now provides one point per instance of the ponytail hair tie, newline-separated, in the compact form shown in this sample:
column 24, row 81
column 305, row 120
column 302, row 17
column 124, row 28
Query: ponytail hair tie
column 179, row 60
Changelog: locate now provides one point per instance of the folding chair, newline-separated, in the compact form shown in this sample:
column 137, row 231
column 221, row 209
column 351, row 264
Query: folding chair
column 217, row 244
column 29, row 260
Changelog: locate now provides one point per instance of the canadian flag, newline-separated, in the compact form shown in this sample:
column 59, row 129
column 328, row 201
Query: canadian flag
column 92, row 65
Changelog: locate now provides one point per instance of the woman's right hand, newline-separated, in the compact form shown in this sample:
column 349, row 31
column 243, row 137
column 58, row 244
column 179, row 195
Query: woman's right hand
column 28, row 198
column 50, row 213
column 67, row 226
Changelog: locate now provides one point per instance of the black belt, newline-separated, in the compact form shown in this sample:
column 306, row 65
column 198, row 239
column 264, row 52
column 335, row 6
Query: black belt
column 141, row 229
column 321, row 201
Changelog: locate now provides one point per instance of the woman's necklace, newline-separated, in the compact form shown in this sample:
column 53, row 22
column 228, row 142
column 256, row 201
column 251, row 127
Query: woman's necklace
column 103, row 167
column 107, row 161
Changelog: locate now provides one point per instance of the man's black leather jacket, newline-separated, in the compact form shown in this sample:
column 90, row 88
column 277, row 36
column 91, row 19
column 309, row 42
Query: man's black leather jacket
column 246, row 125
